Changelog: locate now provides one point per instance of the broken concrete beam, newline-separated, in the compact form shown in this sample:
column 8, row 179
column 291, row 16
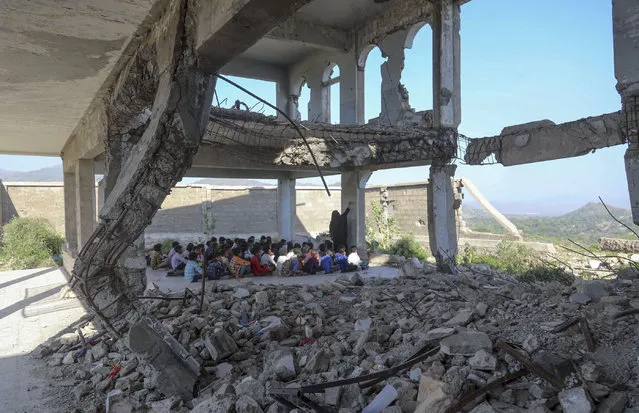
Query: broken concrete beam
column 544, row 140
column 176, row 370
column 618, row 245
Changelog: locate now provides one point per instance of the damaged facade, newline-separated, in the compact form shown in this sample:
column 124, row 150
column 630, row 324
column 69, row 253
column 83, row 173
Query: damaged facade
column 150, row 124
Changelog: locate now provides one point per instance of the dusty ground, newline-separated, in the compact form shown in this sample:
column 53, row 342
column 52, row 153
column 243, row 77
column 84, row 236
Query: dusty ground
column 32, row 309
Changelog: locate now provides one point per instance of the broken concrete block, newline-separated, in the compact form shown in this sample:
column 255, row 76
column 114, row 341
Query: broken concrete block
column 99, row 350
column 69, row 339
column 220, row 345
column 483, row 408
column 530, row 344
column 251, row 387
column 579, row 298
column 615, row 403
column 199, row 323
column 68, row 358
column 241, row 293
column 247, row 405
column 466, row 343
column 439, row 332
column 332, row 396
column 318, row 362
column 357, row 280
column 594, row 289
column 284, row 365
column 222, row 370
column 481, row 309
column 80, row 390
column 261, row 298
column 575, row 400
column 213, row 405
column 462, row 318
column 431, row 397
column 483, row 360
column 363, row 324
column 429, row 268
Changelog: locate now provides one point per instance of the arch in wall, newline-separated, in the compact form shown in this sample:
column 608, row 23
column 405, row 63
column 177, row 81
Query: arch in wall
column 418, row 66
column 303, row 99
column 372, row 61
column 331, row 93
column 363, row 55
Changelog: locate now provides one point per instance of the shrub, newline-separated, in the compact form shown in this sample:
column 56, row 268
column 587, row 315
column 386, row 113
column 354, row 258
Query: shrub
column 30, row 243
column 380, row 229
column 519, row 261
column 408, row 247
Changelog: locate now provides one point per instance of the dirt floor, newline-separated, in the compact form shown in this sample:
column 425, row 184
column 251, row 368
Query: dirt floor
column 33, row 307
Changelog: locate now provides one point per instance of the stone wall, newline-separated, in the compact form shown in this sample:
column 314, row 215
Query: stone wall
column 194, row 209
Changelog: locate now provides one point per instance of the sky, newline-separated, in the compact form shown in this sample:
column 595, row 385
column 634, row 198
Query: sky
column 521, row 61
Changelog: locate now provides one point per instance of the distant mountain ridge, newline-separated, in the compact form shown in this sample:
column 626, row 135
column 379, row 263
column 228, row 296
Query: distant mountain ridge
column 49, row 174
column 586, row 224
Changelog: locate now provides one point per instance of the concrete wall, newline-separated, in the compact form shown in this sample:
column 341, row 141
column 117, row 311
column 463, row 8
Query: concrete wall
column 191, row 209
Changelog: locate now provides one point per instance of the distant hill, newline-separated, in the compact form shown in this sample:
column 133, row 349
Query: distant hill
column 586, row 224
column 50, row 174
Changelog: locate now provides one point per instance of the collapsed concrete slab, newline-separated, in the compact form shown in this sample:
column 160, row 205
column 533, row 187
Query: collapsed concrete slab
column 265, row 139
column 544, row 140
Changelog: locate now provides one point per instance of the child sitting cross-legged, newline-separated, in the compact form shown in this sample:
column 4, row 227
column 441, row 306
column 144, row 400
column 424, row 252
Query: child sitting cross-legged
column 256, row 266
column 326, row 262
column 341, row 259
column 192, row 271
column 239, row 266
column 215, row 268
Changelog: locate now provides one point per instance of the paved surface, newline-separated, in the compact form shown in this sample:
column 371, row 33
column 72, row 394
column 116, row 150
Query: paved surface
column 32, row 309
column 176, row 284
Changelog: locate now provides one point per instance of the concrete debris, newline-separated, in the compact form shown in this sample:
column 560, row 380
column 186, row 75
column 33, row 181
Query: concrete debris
column 320, row 333
column 575, row 400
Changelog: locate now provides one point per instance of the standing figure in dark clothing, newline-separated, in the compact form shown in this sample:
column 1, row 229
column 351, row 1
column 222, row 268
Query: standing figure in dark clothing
column 339, row 226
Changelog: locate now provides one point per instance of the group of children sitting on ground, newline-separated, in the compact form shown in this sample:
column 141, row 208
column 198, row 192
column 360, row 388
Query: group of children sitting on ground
column 242, row 257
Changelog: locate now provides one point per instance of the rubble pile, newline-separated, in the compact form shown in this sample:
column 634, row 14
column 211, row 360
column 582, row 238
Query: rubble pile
column 479, row 341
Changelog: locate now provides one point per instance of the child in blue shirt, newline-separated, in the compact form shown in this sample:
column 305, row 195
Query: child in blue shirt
column 192, row 270
column 326, row 262
column 341, row 259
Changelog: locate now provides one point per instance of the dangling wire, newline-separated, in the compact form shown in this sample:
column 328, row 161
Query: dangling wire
column 295, row 125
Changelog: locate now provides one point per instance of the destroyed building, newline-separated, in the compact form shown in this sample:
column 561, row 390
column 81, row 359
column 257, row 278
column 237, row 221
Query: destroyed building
column 145, row 121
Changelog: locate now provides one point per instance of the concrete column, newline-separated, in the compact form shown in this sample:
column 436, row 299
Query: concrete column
column 286, row 213
column 316, row 107
column 351, row 89
column 446, row 69
column 393, row 102
column 84, row 209
column 442, row 228
column 625, row 16
column 354, row 192
column 70, row 220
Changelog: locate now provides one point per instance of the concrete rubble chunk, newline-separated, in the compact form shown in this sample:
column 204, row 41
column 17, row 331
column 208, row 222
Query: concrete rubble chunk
column 251, row 387
column 466, row 343
column 483, row 408
column 363, row 324
column 595, row 289
column 241, row 293
column 68, row 358
column 261, row 298
column 212, row 405
column 245, row 404
column 531, row 343
column 220, row 345
column 615, row 403
column 575, row 400
column 431, row 397
column 481, row 309
column 440, row 332
column 483, row 360
column 462, row 318
column 69, row 339
column 580, row 298
column 99, row 350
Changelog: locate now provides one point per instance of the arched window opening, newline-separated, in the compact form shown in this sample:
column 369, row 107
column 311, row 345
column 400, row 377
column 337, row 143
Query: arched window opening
column 418, row 67
column 372, row 62
column 303, row 101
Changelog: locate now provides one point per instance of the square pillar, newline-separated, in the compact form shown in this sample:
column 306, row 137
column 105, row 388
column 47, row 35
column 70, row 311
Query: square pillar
column 351, row 93
column 84, row 197
column 446, row 64
column 354, row 192
column 625, row 19
column 70, row 220
column 286, row 212
column 442, row 226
